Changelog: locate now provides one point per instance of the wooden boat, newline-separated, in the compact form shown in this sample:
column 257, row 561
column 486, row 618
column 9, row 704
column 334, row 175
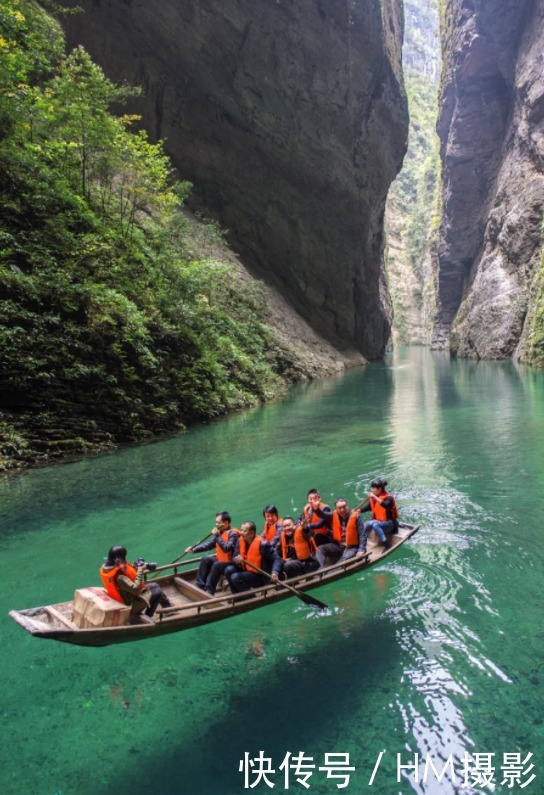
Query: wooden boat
column 192, row 606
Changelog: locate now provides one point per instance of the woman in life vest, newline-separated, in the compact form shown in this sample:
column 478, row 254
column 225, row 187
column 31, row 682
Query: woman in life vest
column 272, row 525
column 126, row 584
column 297, row 548
column 252, row 549
column 384, row 513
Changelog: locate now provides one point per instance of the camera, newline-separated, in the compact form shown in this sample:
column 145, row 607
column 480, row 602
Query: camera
column 143, row 562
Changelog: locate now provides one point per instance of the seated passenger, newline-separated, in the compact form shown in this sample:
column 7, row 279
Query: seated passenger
column 272, row 525
column 252, row 549
column 126, row 584
column 297, row 548
column 384, row 513
column 317, row 517
column 224, row 541
column 348, row 539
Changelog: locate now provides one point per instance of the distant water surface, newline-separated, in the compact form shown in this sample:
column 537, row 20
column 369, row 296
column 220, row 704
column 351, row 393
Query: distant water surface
column 437, row 652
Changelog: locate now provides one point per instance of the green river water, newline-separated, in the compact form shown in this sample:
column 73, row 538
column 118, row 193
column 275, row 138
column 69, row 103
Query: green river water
column 435, row 652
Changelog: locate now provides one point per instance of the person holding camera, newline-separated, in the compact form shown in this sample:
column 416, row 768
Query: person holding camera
column 126, row 583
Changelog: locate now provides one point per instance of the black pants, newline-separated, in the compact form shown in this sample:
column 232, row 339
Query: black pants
column 332, row 553
column 293, row 567
column 204, row 569
column 158, row 597
column 216, row 570
column 246, row 580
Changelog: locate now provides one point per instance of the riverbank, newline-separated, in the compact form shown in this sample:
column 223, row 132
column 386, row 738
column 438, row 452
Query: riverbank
column 70, row 428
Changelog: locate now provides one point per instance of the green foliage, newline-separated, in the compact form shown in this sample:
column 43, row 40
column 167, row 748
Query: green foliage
column 109, row 313
column 535, row 337
column 413, row 200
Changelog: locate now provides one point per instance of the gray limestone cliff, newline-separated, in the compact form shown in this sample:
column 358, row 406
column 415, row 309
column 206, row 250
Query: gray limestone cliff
column 290, row 119
column 491, row 128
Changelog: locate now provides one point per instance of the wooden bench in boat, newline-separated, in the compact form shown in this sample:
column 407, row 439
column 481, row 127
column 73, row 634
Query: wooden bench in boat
column 192, row 592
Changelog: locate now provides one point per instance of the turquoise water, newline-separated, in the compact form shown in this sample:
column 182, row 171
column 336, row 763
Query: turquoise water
column 435, row 652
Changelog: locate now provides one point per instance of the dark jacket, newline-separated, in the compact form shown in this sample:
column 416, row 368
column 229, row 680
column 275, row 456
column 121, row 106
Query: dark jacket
column 271, row 561
column 226, row 546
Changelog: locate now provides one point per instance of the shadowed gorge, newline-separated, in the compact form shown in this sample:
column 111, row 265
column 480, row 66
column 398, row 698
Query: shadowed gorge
column 492, row 146
column 290, row 119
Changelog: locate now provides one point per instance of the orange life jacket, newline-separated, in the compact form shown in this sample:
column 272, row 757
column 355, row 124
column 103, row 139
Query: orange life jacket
column 352, row 538
column 304, row 547
column 270, row 530
column 382, row 514
column 309, row 513
column 222, row 556
column 251, row 554
column 109, row 578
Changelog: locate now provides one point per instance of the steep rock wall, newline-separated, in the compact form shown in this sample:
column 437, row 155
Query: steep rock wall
column 492, row 145
column 290, row 119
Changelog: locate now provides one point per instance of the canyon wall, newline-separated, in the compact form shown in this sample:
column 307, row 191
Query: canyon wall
column 290, row 120
column 491, row 128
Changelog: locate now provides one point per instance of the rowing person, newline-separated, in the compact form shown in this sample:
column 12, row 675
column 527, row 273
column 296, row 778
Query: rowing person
column 297, row 548
column 348, row 539
column 212, row 567
column 384, row 513
column 317, row 517
column 272, row 525
column 252, row 549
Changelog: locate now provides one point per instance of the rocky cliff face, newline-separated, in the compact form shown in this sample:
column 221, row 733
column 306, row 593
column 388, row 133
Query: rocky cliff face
column 492, row 145
column 290, row 120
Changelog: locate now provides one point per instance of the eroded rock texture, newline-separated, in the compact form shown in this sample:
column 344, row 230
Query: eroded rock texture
column 492, row 136
column 290, row 120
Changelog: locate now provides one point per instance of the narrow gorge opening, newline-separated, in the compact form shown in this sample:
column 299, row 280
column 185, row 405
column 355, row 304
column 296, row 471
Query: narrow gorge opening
column 413, row 205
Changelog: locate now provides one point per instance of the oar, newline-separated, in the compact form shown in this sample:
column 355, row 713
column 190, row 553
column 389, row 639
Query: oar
column 363, row 504
column 309, row 600
column 179, row 557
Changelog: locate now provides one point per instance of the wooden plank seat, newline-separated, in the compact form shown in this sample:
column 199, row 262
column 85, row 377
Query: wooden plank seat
column 190, row 591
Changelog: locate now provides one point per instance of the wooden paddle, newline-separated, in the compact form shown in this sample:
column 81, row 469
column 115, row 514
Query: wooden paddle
column 363, row 504
column 179, row 557
column 309, row 600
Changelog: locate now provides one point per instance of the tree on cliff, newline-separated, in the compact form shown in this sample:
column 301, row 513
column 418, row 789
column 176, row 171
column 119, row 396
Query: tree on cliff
column 112, row 326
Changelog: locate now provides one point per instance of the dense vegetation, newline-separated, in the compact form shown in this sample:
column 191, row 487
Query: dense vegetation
column 413, row 203
column 112, row 324
column 535, row 349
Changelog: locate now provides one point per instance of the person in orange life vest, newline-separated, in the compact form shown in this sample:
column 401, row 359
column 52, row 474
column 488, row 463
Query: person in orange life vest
column 317, row 517
column 251, row 548
column 348, row 540
column 384, row 513
column 126, row 584
column 297, row 548
column 224, row 542
column 272, row 526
